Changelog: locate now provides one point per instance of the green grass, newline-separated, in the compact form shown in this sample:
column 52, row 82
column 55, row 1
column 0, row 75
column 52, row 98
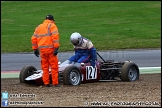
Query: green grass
column 110, row 25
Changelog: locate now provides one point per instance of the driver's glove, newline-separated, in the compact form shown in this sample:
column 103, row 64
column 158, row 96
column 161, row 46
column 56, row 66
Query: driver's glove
column 93, row 63
column 55, row 51
column 36, row 52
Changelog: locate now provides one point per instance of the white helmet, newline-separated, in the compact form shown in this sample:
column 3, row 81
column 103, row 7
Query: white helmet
column 76, row 39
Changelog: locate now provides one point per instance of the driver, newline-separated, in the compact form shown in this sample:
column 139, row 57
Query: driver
column 84, row 49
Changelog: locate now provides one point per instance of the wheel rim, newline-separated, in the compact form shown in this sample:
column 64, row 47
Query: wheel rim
column 132, row 74
column 74, row 77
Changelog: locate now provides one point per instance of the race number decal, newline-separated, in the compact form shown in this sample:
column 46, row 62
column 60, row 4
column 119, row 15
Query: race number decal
column 91, row 73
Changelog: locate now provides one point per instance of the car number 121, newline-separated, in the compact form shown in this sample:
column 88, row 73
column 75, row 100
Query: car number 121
column 91, row 73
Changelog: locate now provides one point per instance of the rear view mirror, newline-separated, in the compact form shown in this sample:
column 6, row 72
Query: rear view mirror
column 82, row 64
column 59, row 63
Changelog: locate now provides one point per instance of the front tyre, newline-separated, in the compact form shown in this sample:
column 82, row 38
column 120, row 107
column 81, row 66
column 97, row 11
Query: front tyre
column 129, row 72
column 72, row 76
column 25, row 72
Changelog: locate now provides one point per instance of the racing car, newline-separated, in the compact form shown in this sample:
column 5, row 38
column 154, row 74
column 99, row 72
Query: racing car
column 73, row 73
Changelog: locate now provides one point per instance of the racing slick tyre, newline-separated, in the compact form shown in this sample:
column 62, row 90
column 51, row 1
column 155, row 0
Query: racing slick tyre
column 72, row 76
column 129, row 72
column 25, row 72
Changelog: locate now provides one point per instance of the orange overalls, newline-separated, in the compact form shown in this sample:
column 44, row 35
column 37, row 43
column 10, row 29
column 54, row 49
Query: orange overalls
column 46, row 39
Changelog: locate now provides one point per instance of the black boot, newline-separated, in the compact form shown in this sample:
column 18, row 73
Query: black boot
column 57, row 85
column 48, row 85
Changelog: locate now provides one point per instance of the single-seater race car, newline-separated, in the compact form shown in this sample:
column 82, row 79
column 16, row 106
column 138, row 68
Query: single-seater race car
column 72, row 73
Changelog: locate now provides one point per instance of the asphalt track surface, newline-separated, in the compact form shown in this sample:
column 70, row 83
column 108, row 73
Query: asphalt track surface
column 145, row 59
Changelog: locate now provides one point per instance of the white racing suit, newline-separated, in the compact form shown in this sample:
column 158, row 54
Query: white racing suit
column 84, row 53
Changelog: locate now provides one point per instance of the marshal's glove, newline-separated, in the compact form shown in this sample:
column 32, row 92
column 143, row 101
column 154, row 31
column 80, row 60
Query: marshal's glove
column 36, row 52
column 55, row 51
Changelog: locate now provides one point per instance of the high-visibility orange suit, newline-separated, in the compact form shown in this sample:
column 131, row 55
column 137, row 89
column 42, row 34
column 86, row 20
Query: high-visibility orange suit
column 46, row 39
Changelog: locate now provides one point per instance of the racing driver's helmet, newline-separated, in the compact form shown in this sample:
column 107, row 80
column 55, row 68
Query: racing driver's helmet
column 76, row 39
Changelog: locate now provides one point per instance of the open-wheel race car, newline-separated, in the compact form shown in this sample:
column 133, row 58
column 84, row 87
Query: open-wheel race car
column 71, row 73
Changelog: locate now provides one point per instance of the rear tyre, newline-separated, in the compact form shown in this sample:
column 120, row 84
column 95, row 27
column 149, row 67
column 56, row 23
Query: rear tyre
column 25, row 72
column 129, row 72
column 72, row 76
